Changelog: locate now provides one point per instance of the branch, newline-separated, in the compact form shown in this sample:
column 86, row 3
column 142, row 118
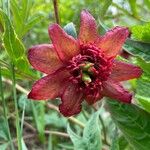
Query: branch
column 55, row 4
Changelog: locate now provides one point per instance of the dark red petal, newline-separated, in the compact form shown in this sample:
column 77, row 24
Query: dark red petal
column 114, row 90
column 44, row 58
column 112, row 42
column 71, row 101
column 93, row 97
column 49, row 87
column 88, row 30
column 122, row 71
column 65, row 45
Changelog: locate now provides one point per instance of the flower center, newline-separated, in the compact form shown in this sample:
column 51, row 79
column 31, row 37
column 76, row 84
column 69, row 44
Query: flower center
column 90, row 68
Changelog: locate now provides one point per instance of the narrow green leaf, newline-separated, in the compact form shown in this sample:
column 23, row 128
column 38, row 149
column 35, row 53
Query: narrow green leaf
column 16, row 15
column 31, row 22
column 133, row 122
column 133, row 7
column 70, row 29
column 26, row 7
column 12, row 44
column 104, row 7
column 4, row 104
column 24, row 147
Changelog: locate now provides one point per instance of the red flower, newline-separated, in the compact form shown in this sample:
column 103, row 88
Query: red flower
column 81, row 69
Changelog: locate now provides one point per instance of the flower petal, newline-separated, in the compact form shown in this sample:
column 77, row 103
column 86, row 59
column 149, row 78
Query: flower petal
column 44, row 58
column 114, row 90
column 65, row 45
column 122, row 71
column 88, row 30
column 112, row 42
column 71, row 101
column 49, row 87
column 93, row 97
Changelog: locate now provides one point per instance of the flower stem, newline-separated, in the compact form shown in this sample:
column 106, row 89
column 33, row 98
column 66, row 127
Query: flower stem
column 5, row 111
column 18, row 130
column 55, row 4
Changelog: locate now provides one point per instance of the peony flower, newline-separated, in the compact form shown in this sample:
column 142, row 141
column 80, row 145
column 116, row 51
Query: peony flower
column 81, row 69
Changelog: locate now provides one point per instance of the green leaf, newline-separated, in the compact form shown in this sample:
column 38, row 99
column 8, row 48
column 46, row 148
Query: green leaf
column 143, row 86
column 133, row 122
column 24, row 147
column 133, row 7
column 3, row 129
column 70, row 29
column 92, row 133
column 24, row 101
column 77, row 140
column 26, row 7
column 123, row 144
column 16, row 14
column 66, row 146
column 12, row 44
column 144, row 65
column 53, row 119
column 31, row 22
column 143, row 93
column 22, row 21
column 104, row 7
column 141, row 32
column 91, row 139
column 4, row 146
column 115, row 142
column 38, row 114
column 139, row 49
column 147, row 2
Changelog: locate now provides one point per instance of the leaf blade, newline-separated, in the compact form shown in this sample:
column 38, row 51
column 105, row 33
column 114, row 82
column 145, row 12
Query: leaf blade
column 133, row 122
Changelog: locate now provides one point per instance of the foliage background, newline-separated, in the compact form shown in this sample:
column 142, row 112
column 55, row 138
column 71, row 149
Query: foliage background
column 109, row 125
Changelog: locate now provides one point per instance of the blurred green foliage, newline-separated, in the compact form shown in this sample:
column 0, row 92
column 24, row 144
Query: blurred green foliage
column 24, row 23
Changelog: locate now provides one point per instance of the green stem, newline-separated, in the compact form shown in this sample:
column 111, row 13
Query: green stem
column 23, row 114
column 5, row 111
column 18, row 130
